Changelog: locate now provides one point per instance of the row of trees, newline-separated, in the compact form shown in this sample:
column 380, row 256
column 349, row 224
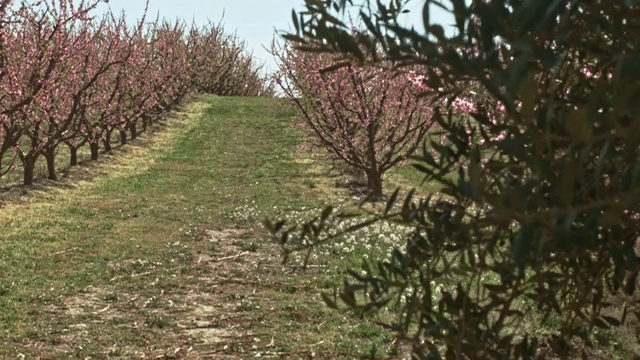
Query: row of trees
column 540, row 165
column 69, row 79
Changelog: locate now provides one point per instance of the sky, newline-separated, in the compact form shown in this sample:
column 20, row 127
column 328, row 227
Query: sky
column 255, row 21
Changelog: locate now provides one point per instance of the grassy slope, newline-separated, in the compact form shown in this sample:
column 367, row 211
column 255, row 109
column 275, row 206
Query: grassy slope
column 161, row 253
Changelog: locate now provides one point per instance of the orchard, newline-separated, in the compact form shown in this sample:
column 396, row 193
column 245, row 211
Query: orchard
column 70, row 79
column 517, row 131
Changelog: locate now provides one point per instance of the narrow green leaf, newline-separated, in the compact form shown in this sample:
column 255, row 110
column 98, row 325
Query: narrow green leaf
column 362, row 225
column 425, row 14
column 325, row 213
column 392, row 201
column 293, row 38
column 471, row 257
column 294, row 17
column 600, row 323
column 284, row 238
column 371, row 27
column 422, row 169
column 406, row 209
column 611, row 320
column 460, row 13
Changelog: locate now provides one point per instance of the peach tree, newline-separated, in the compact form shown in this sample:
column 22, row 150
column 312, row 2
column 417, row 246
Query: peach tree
column 369, row 117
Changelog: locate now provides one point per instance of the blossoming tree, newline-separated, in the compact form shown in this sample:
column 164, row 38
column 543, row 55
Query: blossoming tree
column 371, row 118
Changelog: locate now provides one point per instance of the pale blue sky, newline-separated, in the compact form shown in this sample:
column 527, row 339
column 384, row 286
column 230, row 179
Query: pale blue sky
column 252, row 20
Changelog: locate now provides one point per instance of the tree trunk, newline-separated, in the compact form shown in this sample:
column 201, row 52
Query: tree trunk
column 123, row 137
column 374, row 183
column 95, row 148
column 107, row 141
column 29, row 169
column 134, row 131
column 374, row 175
column 51, row 163
column 74, row 156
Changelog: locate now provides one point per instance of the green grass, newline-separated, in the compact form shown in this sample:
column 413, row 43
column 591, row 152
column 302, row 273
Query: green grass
column 159, row 247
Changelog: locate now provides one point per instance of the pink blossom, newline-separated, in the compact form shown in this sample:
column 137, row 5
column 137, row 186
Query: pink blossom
column 463, row 105
column 417, row 80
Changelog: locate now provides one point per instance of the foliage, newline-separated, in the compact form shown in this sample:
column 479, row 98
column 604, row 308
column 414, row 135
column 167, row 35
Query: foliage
column 69, row 78
column 370, row 118
column 540, row 223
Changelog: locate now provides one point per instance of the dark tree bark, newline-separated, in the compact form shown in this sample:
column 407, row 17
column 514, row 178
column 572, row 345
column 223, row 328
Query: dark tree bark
column 134, row 131
column 29, row 164
column 123, row 137
column 51, row 163
column 74, row 156
column 107, row 141
column 95, row 150
column 374, row 183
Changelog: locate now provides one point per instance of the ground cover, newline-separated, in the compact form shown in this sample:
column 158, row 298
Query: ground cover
column 158, row 251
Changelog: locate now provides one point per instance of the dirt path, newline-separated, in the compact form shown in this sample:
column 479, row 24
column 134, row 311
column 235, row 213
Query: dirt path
column 214, row 306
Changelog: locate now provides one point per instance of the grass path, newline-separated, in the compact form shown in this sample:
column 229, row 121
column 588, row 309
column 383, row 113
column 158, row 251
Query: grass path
column 157, row 252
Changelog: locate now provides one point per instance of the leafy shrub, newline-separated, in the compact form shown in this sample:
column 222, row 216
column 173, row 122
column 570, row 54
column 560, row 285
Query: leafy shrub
column 539, row 224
